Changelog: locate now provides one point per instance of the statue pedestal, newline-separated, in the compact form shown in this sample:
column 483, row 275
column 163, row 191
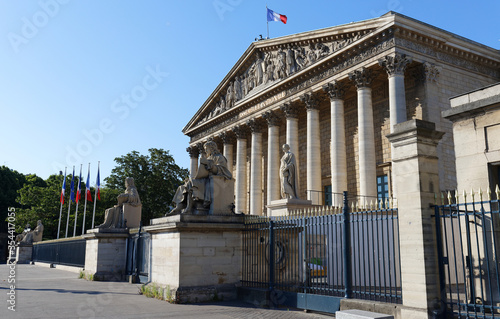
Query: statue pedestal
column 282, row 207
column 23, row 253
column 197, row 258
column 105, row 253
column 222, row 195
column 132, row 215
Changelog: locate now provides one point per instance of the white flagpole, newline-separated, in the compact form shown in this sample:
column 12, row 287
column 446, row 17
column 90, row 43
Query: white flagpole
column 95, row 197
column 69, row 206
column 60, row 211
column 85, row 206
column 77, row 196
column 267, row 23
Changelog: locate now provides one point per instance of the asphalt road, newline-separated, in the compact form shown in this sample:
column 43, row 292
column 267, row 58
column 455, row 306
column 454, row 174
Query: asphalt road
column 42, row 292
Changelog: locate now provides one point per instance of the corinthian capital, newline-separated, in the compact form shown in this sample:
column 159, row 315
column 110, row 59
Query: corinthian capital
column 255, row 125
column 310, row 101
column 431, row 72
column 335, row 90
column 395, row 64
column 362, row 77
column 290, row 110
column 272, row 118
column 241, row 131
column 193, row 151
column 226, row 137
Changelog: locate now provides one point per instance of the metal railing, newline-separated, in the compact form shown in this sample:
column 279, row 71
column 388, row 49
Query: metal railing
column 61, row 251
column 468, row 234
column 326, row 251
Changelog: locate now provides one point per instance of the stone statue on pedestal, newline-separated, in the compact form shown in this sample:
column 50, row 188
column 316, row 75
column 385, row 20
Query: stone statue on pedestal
column 198, row 193
column 113, row 217
column 288, row 174
column 30, row 236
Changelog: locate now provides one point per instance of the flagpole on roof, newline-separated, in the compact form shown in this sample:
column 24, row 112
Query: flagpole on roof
column 85, row 206
column 267, row 23
column 77, row 199
column 96, row 190
column 62, row 203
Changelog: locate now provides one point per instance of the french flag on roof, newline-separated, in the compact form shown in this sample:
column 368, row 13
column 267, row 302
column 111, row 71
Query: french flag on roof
column 273, row 16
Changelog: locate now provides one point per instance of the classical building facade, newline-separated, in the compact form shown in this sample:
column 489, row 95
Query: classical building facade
column 333, row 95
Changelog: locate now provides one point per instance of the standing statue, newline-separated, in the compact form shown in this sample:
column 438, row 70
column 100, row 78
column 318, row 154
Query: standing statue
column 196, row 192
column 112, row 216
column 229, row 96
column 281, row 65
column 30, row 236
column 288, row 174
column 290, row 61
column 237, row 89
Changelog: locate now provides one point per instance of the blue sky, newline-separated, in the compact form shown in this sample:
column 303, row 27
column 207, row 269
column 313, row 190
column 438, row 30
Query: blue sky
column 88, row 81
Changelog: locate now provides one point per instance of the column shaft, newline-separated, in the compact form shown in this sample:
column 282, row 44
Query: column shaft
column 256, row 175
column 228, row 153
column 241, row 176
column 397, row 99
column 338, row 151
column 273, row 164
column 194, row 167
column 314, row 193
column 366, row 145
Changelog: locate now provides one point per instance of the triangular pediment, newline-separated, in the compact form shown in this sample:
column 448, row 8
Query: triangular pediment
column 270, row 61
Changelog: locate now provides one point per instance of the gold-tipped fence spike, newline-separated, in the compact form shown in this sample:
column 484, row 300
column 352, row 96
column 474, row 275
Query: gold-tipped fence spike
column 457, row 197
column 472, row 194
column 442, row 199
column 449, row 198
column 488, row 193
column 464, row 194
column 480, row 192
column 497, row 192
column 371, row 205
column 390, row 203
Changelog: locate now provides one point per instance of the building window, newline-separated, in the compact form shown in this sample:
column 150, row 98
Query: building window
column 382, row 189
column 494, row 175
column 328, row 195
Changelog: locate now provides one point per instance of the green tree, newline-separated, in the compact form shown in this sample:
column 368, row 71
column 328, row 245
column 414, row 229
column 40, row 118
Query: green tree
column 10, row 182
column 156, row 177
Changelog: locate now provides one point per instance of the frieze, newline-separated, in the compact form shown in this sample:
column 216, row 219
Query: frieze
column 262, row 105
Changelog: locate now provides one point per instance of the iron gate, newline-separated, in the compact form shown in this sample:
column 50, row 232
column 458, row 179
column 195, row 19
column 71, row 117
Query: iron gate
column 63, row 251
column 313, row 259
column 468, row 236
column 139, row 255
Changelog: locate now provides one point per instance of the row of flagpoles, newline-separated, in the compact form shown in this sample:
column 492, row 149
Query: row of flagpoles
column 88, row 196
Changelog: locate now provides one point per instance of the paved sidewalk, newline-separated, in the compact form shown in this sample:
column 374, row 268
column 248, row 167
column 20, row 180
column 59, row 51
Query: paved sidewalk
column 54, row 293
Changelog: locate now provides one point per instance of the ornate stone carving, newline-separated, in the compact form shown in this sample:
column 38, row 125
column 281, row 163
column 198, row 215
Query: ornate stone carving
column 288, row 174
column 29, row 236
column 272, row 118
column 280, row 71
column 395, row 64
column 255, row 125
column 229, row 97
column 193, row 151
column 431, row 72
column 290, row 110
column 227, row 137
column 291, row 66
column 362, row 77
column 237, row 89
column 241, row 131
column 310, row 101
column 335, row 90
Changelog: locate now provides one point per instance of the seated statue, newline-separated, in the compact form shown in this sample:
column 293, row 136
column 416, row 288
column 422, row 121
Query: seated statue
column 113, row 217
column 196, row 193
column 30, row 236
column 288, row 174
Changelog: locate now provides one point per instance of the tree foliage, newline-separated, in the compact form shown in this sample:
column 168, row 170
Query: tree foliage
column 10, row 182
column 156, row 177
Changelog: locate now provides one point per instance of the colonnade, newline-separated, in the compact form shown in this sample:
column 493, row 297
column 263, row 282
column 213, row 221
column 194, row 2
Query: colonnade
column 394, row 65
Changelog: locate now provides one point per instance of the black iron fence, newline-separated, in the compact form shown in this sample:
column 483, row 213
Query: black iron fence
column 139, row 255
column 468, row 237
column 62, row 251
column 325, row 251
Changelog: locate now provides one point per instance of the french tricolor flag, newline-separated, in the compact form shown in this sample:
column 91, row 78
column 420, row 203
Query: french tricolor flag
column 273, row 16
column 63, row 190
column 88, row 195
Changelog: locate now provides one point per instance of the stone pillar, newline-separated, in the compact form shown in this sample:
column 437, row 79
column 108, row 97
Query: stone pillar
column 194, row 152
column 24, row 253
column 273, row 158
column 240, row 190
column 395, row 66
column 228, row 141
column 106, row 253
column 292, row 134
column 415, row 166
column 256, row 127
column 338, row 152
column 366, row 135
column 314, row 191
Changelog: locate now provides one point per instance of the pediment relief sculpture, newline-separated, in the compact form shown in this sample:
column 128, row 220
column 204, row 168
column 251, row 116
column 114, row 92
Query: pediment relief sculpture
column 271, row 66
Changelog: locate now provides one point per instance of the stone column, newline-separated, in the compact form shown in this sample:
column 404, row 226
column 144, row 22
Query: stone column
column 240, row 189
column 395, row 66
column 292, row 134
column 194, row 152
column 256, row 127
column 314, row 192
column 273, row 158
column 415, row 166
column 228, row 142
column 366, row 135
column 338, row 152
